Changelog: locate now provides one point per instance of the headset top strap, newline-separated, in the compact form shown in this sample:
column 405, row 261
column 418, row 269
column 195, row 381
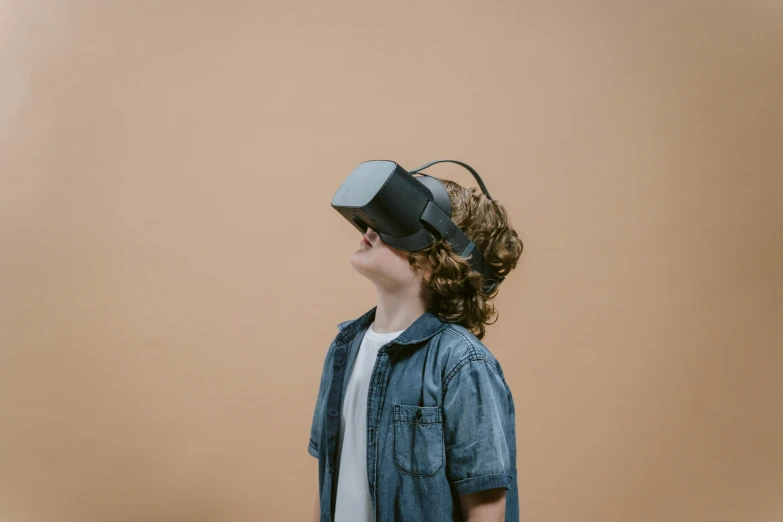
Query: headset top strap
column 475, row 174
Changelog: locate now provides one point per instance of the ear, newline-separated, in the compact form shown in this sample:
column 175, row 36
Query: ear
column 426, row 274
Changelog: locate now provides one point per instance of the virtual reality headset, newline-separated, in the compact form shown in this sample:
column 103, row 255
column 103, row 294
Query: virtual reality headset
column 408, row 212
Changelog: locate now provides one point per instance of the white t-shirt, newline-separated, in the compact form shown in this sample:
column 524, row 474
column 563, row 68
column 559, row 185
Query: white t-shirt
column 353, row 502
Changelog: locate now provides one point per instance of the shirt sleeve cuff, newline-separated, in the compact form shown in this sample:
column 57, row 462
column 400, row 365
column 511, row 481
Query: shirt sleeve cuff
column 474, row 484
column 312, row 450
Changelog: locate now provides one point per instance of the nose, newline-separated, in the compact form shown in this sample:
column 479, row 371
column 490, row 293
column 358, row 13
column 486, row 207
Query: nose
column 370, row 236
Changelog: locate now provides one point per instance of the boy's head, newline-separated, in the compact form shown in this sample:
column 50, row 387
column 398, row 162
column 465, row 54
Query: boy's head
column 444, row 279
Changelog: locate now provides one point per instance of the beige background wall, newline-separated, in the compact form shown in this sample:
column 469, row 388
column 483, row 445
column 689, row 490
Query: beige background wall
column 171, row 272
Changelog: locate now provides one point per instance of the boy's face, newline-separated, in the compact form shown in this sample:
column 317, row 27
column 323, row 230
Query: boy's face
column 387, row 267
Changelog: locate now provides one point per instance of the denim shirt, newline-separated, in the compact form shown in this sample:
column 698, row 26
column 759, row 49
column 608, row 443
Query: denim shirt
column 440, row 422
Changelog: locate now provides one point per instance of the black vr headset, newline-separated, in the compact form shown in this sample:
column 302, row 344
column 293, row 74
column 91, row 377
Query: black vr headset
column 408, row 212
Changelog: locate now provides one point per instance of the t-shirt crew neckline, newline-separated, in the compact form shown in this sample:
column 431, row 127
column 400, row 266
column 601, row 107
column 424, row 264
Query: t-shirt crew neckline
column 375, row 336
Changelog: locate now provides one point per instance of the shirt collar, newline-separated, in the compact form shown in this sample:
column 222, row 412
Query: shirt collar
column 427, row 325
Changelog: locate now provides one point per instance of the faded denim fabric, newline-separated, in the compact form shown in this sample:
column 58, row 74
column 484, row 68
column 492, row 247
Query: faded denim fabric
column 440, row 422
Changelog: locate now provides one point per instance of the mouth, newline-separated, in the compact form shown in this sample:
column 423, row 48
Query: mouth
column 365, row 242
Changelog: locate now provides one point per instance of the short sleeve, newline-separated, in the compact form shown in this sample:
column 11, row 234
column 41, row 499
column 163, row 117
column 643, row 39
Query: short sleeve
column 478, row 419
column 316, row 426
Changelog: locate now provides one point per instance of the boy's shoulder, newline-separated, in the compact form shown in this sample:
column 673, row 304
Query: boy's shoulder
column 460, row 346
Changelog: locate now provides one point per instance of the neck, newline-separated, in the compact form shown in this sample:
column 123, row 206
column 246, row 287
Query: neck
column 396, row 311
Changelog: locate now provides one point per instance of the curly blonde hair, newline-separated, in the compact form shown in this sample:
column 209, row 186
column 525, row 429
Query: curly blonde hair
column 457, row 295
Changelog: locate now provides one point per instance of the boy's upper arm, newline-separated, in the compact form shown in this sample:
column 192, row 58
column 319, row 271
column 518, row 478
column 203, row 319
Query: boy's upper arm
column 476, row 415
column 316, row 424
column 488, row 504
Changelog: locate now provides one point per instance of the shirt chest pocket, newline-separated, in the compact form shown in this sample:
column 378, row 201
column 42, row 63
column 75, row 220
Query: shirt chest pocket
column 418, row 439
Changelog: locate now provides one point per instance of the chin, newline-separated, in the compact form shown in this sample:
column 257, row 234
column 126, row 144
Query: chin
column 359, row 262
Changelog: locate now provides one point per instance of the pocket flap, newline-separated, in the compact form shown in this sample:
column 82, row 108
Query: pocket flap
column 418, row 414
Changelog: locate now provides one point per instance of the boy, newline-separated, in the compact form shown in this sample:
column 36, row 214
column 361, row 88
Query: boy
column 426, row 428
